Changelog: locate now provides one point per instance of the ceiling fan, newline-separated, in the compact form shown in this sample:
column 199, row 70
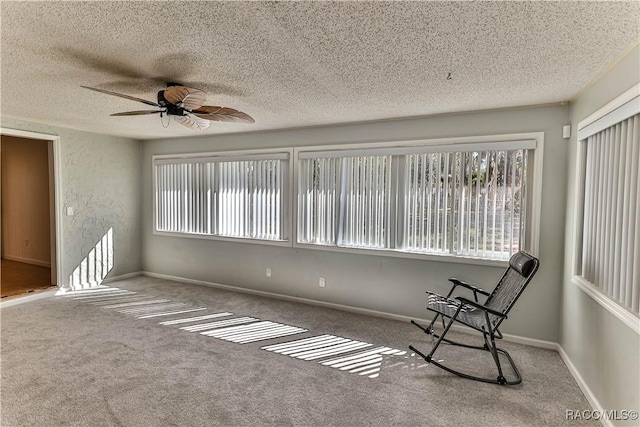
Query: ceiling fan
column 185, row 105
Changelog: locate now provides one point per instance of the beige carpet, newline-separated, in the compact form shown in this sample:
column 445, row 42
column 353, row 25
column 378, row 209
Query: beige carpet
column 161, row 357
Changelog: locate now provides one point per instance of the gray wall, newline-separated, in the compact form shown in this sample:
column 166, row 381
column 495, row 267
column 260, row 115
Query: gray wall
column 101, row 180
column 388, row 284
column 605, row 351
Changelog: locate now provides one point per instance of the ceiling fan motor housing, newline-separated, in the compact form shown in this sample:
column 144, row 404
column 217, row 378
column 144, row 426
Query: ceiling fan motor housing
column 172, row 109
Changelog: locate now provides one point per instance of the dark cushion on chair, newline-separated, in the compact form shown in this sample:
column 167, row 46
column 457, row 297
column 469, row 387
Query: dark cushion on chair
column 523, row 263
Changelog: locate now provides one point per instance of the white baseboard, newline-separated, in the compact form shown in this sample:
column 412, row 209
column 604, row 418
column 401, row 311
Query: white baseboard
column 510, row 338
column 28, row 298
column 27, row 260
column 280, row 296
column 533, row 342
column 63, row 290
column 122, row 277
column 586, row 390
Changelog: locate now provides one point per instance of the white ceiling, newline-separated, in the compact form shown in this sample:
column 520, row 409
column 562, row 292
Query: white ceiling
column 299, row 64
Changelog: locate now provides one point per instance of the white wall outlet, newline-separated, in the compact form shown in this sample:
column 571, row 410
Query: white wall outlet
column 70, row 210
column 321, row 282
column 268, row 272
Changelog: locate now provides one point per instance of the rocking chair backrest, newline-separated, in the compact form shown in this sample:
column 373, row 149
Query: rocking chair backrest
column 522, row 267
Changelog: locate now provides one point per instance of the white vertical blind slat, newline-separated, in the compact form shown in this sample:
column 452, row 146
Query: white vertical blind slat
column 618, row 195
column 609, row 190
column 461, row 203
column 503, row 201
column 634, row 279
column 486, row 205
column 476, row 233
column 446, row 187
column 512, row 187
column 468, row 189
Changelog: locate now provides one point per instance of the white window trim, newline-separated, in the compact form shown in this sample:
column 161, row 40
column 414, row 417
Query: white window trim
column 232, row 156
column 286, row 243
column 610, row 305
column 621, row 108
column 535, row 187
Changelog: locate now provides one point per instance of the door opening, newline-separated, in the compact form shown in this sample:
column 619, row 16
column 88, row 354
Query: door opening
column 27, row 214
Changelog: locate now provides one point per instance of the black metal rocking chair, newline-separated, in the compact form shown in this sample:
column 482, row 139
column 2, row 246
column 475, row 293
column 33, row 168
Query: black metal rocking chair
column 485, row 318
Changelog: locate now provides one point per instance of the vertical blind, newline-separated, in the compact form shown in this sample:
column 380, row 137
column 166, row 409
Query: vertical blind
column 364, row 203
column 465, row 203
column 468, row 203
column 239, row 198
column 344, row 201
column 611, row 214
column 318, row 181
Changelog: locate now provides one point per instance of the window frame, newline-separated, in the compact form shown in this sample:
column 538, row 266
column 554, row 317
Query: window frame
column 625, row 105
column 494, row 142
column 235, row 155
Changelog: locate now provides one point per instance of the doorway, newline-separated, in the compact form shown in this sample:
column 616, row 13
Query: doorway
column 27, row 218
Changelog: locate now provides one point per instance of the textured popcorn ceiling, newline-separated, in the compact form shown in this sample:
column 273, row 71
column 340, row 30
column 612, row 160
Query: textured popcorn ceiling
column 304, row 63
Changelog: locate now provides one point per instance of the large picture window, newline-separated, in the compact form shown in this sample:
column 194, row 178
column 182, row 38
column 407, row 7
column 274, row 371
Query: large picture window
column 608, row 218
column 461, row 199
column 238, row 196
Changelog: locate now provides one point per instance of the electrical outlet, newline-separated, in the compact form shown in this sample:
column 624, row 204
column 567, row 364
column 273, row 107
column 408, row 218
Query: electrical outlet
column 268, row 272
column 321, row 282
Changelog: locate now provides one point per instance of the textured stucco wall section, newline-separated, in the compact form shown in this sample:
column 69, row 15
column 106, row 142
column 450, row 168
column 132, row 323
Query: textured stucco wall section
column 101, row 181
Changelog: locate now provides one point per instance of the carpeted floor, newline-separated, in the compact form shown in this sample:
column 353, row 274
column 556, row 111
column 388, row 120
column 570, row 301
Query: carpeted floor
column 122, row 359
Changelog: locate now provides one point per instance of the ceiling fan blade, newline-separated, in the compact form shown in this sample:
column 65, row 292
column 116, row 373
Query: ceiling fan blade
column 138, row 113
column 223, row 114
column 132, row 98
column 192, row 122
column 190, row 98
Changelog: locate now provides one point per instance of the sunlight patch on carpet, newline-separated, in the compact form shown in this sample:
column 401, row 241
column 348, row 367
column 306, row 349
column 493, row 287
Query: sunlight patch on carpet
column 343, row 354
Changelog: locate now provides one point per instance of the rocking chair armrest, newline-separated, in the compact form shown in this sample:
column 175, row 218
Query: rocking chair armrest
column 466, row 301
column 458, row 282
column 434, row 293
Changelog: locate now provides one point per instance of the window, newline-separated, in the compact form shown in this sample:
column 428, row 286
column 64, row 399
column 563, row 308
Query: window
column 227, row 195
column 462, row 198
column 465, row 203
column 344, row 201
column 608, row 247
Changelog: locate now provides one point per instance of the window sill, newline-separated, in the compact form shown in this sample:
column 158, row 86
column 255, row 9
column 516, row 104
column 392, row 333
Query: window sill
column 624, row 315
column 410, row 255
column 285, row 243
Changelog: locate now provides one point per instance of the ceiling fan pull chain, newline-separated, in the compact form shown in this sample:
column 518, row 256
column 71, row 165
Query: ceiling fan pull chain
column 162, row 121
